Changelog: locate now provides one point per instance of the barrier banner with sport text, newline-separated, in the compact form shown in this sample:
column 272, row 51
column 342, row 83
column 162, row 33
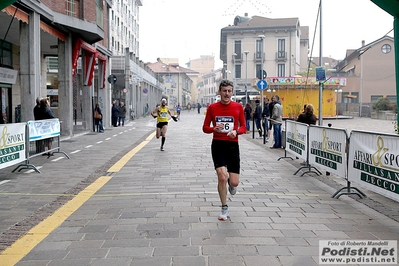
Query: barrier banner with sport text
column 374, row 162
column 327, row 149
column 12, row 144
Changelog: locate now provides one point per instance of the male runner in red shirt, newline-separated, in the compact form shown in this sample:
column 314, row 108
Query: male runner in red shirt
column 228, row 121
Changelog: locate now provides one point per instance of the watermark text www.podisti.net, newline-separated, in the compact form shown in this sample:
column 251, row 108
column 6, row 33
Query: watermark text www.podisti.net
column 358, row 252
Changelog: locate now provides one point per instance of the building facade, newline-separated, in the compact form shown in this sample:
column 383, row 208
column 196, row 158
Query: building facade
column 255, row 45
column 64, row 50
column 176, row 81
column 73, row 32
column 203, row 65
column 136, row 84
column 370, row 75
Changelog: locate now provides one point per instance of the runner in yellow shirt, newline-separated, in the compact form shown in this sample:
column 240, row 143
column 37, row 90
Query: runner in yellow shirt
column 162, row 112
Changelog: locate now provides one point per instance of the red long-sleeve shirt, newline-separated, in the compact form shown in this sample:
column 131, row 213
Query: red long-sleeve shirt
column 231, row 115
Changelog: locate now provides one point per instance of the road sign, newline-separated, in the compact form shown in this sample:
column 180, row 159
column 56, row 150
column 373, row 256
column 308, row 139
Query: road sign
column 262, row 84
column 112, row 79
column 320, row 74
column 145, row 90
column 125, row 90
column 260, row 76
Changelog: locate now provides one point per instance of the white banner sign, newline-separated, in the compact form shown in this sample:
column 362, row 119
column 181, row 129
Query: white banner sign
column 327, row 149
column 296, row 138
column 374, row 162
column 43, row 129
column 8, row 75
column 12, row 144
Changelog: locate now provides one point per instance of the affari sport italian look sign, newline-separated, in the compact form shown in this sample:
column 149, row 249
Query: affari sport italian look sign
column 12, row 144
column 297, row 138
column 374, row 162
column 328, row 149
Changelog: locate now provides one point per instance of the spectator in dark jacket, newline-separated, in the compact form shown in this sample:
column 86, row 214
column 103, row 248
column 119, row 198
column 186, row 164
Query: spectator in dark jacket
column 115, row 114
column 248, row 114
column 266, row 116
column 121, row 114
column 99, row 121
column 36, row 114
column 46, row 113
column 258, row 117
column 308, row 116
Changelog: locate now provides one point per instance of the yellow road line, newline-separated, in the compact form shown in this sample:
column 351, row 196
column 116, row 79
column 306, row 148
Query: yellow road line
column 26, row 243
column 122, row 162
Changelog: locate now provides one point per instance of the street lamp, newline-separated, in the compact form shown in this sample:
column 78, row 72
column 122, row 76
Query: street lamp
column 235, row 75
column 246, row 76
column 261, row 59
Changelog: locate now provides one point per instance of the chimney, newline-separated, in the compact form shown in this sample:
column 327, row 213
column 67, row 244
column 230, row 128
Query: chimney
column 363, row 43
column 246, row 14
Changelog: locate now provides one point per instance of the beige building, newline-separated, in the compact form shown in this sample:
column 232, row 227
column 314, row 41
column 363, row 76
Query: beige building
column 209, row 86
column 370, row 75
column 252, row 44
column 176, row 81
column 203, row 65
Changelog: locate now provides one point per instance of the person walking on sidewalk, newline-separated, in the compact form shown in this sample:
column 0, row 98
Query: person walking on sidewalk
column 114, row 114
column 258, row 118
column 98, row 121
column 277, row 120
column 228, row 121
column 121, row 114
column 161, row 113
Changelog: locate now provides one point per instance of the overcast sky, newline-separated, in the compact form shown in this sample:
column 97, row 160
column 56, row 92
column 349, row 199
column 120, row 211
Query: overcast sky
column 187, row 29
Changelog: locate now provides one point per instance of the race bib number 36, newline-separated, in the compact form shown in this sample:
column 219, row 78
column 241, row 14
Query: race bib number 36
column 227, row 122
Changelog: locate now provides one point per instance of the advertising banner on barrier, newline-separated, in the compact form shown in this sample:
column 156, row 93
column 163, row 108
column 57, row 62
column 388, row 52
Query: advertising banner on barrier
column 327, row 149
column 374, row 162
column 296, row 138
column 12, row 144
column 43, row 129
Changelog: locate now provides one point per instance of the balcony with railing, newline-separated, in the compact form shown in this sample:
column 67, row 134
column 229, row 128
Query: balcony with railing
column 281, row 56
column 258, row 57
column 238, row 57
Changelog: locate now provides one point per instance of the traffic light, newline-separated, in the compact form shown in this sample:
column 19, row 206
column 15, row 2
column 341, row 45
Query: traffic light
column 259, row 76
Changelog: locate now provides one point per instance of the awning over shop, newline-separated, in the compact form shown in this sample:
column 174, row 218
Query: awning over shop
column 90, row 62
column 6, row 3
column 19, row 14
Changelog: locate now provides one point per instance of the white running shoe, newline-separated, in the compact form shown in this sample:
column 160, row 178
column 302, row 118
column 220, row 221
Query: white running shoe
column 232, row 190
column 224, row 214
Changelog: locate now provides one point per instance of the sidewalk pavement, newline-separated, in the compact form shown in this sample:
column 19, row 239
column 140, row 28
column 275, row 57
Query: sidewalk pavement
column 119, row 200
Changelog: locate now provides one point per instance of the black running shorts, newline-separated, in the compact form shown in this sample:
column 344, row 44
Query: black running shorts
column 161, row 124
column 226, row 153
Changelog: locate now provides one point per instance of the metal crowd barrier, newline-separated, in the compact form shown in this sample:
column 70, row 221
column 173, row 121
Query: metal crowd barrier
column 20, row 142
column 369, row 159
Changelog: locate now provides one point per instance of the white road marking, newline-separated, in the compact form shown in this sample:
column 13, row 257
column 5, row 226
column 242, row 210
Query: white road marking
column 4, row 181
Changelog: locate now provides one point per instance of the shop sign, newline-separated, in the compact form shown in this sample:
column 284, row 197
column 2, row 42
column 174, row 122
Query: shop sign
column 8, row 75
